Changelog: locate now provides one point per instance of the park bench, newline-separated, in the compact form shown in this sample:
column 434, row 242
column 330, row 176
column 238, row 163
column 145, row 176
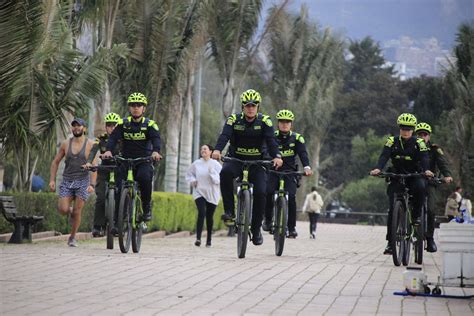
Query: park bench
column 22, row 223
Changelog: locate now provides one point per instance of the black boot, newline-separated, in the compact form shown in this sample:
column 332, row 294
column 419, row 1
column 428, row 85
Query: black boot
column 431, row 245
column 257, row 238
column 146, row 213
column 388, row 250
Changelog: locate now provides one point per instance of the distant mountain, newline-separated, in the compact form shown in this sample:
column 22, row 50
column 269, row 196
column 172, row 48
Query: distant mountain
column 386, row 20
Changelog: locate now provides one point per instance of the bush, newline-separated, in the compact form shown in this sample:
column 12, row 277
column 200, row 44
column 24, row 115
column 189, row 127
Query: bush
column 366, row 195
column 172, row 212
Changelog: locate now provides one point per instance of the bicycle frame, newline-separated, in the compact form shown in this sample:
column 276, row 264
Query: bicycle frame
column 131, row 184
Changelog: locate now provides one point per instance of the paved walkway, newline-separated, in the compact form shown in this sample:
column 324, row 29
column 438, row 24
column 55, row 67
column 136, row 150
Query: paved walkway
column 342, row 272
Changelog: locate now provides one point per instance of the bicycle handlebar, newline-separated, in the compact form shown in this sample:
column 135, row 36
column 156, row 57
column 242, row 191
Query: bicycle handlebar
column 99, row 167
column 131, row 160
column 286, row 173
column 248, row 162
column 409, row 175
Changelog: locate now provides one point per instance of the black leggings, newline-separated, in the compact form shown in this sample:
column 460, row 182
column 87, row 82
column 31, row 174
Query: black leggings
column 205, row 209
column 313, row 222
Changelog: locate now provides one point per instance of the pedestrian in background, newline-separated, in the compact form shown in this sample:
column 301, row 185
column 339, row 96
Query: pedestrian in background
column 312, row 205
column 37, row 183
column 203, row 175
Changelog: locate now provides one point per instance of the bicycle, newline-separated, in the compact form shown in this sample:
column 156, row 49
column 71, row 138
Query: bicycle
column 244, row 202
column 404, row 232
column 130, row 222
column 110, row 190
column 280, row 210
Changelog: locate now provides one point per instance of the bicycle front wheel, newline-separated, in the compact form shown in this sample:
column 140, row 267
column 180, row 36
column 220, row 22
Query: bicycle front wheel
column 397, row 232
column 281, row 220
column 137, row 227
column 109, row 216
column 124, row 220
column 243, row 222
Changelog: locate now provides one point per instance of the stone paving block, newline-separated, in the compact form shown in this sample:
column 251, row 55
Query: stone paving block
column 171, row 276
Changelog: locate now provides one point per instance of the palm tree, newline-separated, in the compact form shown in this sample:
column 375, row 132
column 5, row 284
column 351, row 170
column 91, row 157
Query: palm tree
column 231, row 26
column 49, row 80
column 460, row 81
column 306, row 73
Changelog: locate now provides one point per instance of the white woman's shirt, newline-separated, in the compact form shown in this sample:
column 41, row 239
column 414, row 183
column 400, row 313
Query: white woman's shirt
column 205, row 177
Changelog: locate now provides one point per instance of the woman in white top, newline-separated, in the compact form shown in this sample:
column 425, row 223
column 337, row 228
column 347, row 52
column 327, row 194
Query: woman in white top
column 313, row 204
column 203, row 175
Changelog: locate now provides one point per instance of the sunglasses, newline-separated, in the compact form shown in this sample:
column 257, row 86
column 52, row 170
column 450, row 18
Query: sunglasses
column 405, row 128
column 136, row 105
column 110, row 124
column 250, row 104
column 422, row 134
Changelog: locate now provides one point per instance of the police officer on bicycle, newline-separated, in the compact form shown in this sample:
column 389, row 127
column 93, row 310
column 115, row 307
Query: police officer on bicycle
column 290, row 144
column 247, row 131
column 438, row 164
column 111, row 120
column 409, row 154
column 140, row 138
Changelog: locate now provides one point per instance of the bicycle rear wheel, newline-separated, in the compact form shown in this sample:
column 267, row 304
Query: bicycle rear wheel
column 397, row 232
column 281, row 220
column 243, row 222
column 109, row 216
column 137, row 229
column 408, row 240
column 124, row 220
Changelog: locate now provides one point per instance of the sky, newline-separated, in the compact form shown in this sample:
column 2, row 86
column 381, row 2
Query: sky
column 389, row 19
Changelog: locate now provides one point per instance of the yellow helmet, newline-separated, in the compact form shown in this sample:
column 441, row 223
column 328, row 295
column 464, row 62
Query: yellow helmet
column 137, row 97
column 422, row 126
column 286, row 115
column 407, row 119
column 111, row 117
column 250, row 96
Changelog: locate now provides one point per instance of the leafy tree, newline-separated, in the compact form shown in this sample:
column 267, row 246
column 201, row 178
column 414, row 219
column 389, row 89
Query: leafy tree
column 371, row 99
column 429, row 97
column 365, row 154
column 367, row 195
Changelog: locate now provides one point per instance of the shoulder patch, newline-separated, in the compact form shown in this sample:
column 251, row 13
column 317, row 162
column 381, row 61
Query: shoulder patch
column 231, row 119
column 299, row 138
column 266, row 119
column 440, row 151
column 422, row 144
column 153, row 124
column 390, row 141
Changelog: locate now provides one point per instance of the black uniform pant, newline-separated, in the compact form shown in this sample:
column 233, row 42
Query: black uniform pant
column 257, row 176
column 313, row 222
column 432, row 199
column 273, row 185
column 416, row 188
column 99, row 211
column 205, row 210
column 143, row 174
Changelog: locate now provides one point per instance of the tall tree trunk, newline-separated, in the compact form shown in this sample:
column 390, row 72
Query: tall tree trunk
column 315, row 159
column 2, row 170
column 186, row 138
column 228, row 97
column 172, row 144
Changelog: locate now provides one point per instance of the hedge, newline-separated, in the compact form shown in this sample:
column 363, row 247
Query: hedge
column 172, row 212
